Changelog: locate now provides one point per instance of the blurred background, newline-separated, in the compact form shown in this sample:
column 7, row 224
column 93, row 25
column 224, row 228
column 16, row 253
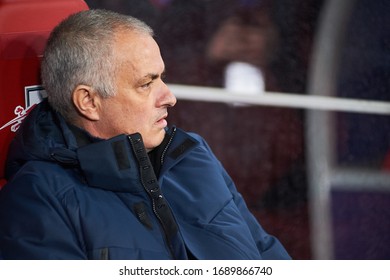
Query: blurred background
column 317, row 180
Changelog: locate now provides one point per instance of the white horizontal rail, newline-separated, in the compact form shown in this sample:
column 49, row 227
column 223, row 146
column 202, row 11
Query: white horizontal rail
column 359, row 180
column 315, row 102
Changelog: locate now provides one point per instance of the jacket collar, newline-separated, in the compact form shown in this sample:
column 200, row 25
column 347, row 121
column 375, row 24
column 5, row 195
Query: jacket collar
column 111, row 165
column 116, row 164
column 180, row 144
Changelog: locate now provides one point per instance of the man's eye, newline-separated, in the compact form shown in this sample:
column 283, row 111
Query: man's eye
column 147, row 84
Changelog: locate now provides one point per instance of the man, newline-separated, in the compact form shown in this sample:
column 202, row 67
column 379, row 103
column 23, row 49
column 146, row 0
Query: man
column 94, row 173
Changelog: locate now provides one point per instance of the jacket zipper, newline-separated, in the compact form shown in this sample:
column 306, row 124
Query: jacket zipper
column 150, row 192
column 167, row 146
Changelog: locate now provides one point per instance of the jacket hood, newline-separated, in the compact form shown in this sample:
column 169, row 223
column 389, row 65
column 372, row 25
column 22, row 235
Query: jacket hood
column 42, row 134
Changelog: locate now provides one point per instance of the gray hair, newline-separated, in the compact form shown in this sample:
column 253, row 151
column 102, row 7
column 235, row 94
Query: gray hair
column 79, row 51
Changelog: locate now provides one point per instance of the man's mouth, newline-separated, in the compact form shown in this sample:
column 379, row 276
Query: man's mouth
column 162, row 121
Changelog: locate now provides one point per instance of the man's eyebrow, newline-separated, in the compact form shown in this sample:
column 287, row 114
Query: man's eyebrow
column 147, row 78
column 154, row 76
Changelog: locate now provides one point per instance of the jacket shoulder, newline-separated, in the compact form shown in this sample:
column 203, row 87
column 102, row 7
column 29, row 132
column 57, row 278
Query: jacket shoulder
column 41, row 177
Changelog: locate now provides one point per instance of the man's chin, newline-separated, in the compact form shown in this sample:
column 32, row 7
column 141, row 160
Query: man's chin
column 149, row 146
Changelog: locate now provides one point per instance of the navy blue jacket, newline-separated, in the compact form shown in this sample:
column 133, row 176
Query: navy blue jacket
column 71, row 196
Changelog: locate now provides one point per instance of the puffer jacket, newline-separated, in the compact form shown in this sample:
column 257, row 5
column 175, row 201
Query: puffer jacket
column 71, row 196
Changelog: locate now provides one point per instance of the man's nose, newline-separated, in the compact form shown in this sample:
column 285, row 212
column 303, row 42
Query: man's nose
column 168, row 98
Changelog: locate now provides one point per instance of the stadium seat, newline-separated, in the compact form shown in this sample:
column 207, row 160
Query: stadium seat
column 24, row 28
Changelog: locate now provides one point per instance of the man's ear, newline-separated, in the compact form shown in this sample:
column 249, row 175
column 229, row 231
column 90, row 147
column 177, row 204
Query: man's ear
column 87, row 102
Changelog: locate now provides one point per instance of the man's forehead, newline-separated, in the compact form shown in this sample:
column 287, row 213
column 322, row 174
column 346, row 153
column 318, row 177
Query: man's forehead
column 140, row 54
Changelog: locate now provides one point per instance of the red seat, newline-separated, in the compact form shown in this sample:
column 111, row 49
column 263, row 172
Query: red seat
column 24, row 28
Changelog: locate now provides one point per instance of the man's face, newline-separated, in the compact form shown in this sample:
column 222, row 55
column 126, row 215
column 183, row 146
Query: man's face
column 142, row 98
